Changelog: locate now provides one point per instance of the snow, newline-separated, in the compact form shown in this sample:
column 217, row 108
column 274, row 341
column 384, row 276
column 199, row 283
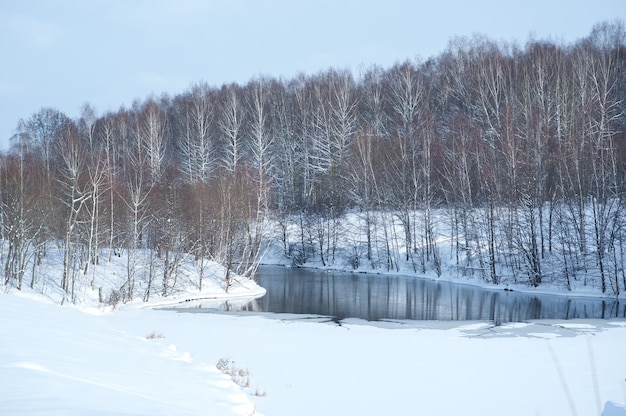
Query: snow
column 145, row 359
column 139, row 361
column 58, row 360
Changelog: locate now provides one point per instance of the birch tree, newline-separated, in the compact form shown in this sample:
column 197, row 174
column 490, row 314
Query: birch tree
column 74, row 196
column 197, row 147
column 22, row 201
column 230, row 121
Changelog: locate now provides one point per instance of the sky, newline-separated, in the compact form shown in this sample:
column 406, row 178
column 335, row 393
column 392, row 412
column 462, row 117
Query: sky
column 65, row 53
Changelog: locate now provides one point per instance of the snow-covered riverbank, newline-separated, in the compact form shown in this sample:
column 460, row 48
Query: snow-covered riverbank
column 293, row 244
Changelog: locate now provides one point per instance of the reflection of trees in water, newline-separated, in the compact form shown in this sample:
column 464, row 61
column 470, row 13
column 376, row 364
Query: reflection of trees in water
column 534, row 308
column 613, row 309
column 376, row 297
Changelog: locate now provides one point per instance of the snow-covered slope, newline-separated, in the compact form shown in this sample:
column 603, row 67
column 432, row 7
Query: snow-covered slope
column 58, row 360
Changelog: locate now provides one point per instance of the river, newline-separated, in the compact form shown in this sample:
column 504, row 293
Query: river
column 375, row 297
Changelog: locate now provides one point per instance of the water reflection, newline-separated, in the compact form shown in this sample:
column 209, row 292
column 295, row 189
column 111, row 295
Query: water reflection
column 376, row 297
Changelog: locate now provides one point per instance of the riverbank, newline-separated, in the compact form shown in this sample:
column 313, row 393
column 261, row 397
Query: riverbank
column 378, row 242
column 555, row 287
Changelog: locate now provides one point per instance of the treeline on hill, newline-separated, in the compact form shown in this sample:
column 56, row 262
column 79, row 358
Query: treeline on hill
column 522, row 148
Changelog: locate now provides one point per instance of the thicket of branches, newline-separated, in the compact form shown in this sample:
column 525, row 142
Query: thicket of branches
column 523, row 148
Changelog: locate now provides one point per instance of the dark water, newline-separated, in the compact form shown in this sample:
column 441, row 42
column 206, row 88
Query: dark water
column 378, row 297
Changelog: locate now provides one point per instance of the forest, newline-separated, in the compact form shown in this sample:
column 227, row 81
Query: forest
column 511, row 157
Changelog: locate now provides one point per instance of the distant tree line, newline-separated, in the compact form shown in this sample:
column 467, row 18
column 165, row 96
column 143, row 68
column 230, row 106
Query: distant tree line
column 523, row 148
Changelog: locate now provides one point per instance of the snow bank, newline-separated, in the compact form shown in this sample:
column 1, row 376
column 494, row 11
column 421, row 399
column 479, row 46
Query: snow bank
column 105, row 286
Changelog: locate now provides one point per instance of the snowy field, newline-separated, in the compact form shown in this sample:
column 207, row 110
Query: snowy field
column 66, row 360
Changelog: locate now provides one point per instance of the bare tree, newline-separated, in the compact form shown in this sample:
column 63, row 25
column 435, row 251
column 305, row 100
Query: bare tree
column 197, row 147
column 405, row 95
column 231, row 118
column 74, row 196
column 22, row 200
column 151, row 132
column 605, row 112
column 261, row 139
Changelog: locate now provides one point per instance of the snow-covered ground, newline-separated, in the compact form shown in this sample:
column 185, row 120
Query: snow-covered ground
column 89, row 358
column 67, row 360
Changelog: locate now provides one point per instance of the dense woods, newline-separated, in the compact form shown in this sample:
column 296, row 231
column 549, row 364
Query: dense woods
column 513, row 158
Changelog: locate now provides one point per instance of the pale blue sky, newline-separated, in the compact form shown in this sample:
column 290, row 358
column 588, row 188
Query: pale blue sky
column 63, row 53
